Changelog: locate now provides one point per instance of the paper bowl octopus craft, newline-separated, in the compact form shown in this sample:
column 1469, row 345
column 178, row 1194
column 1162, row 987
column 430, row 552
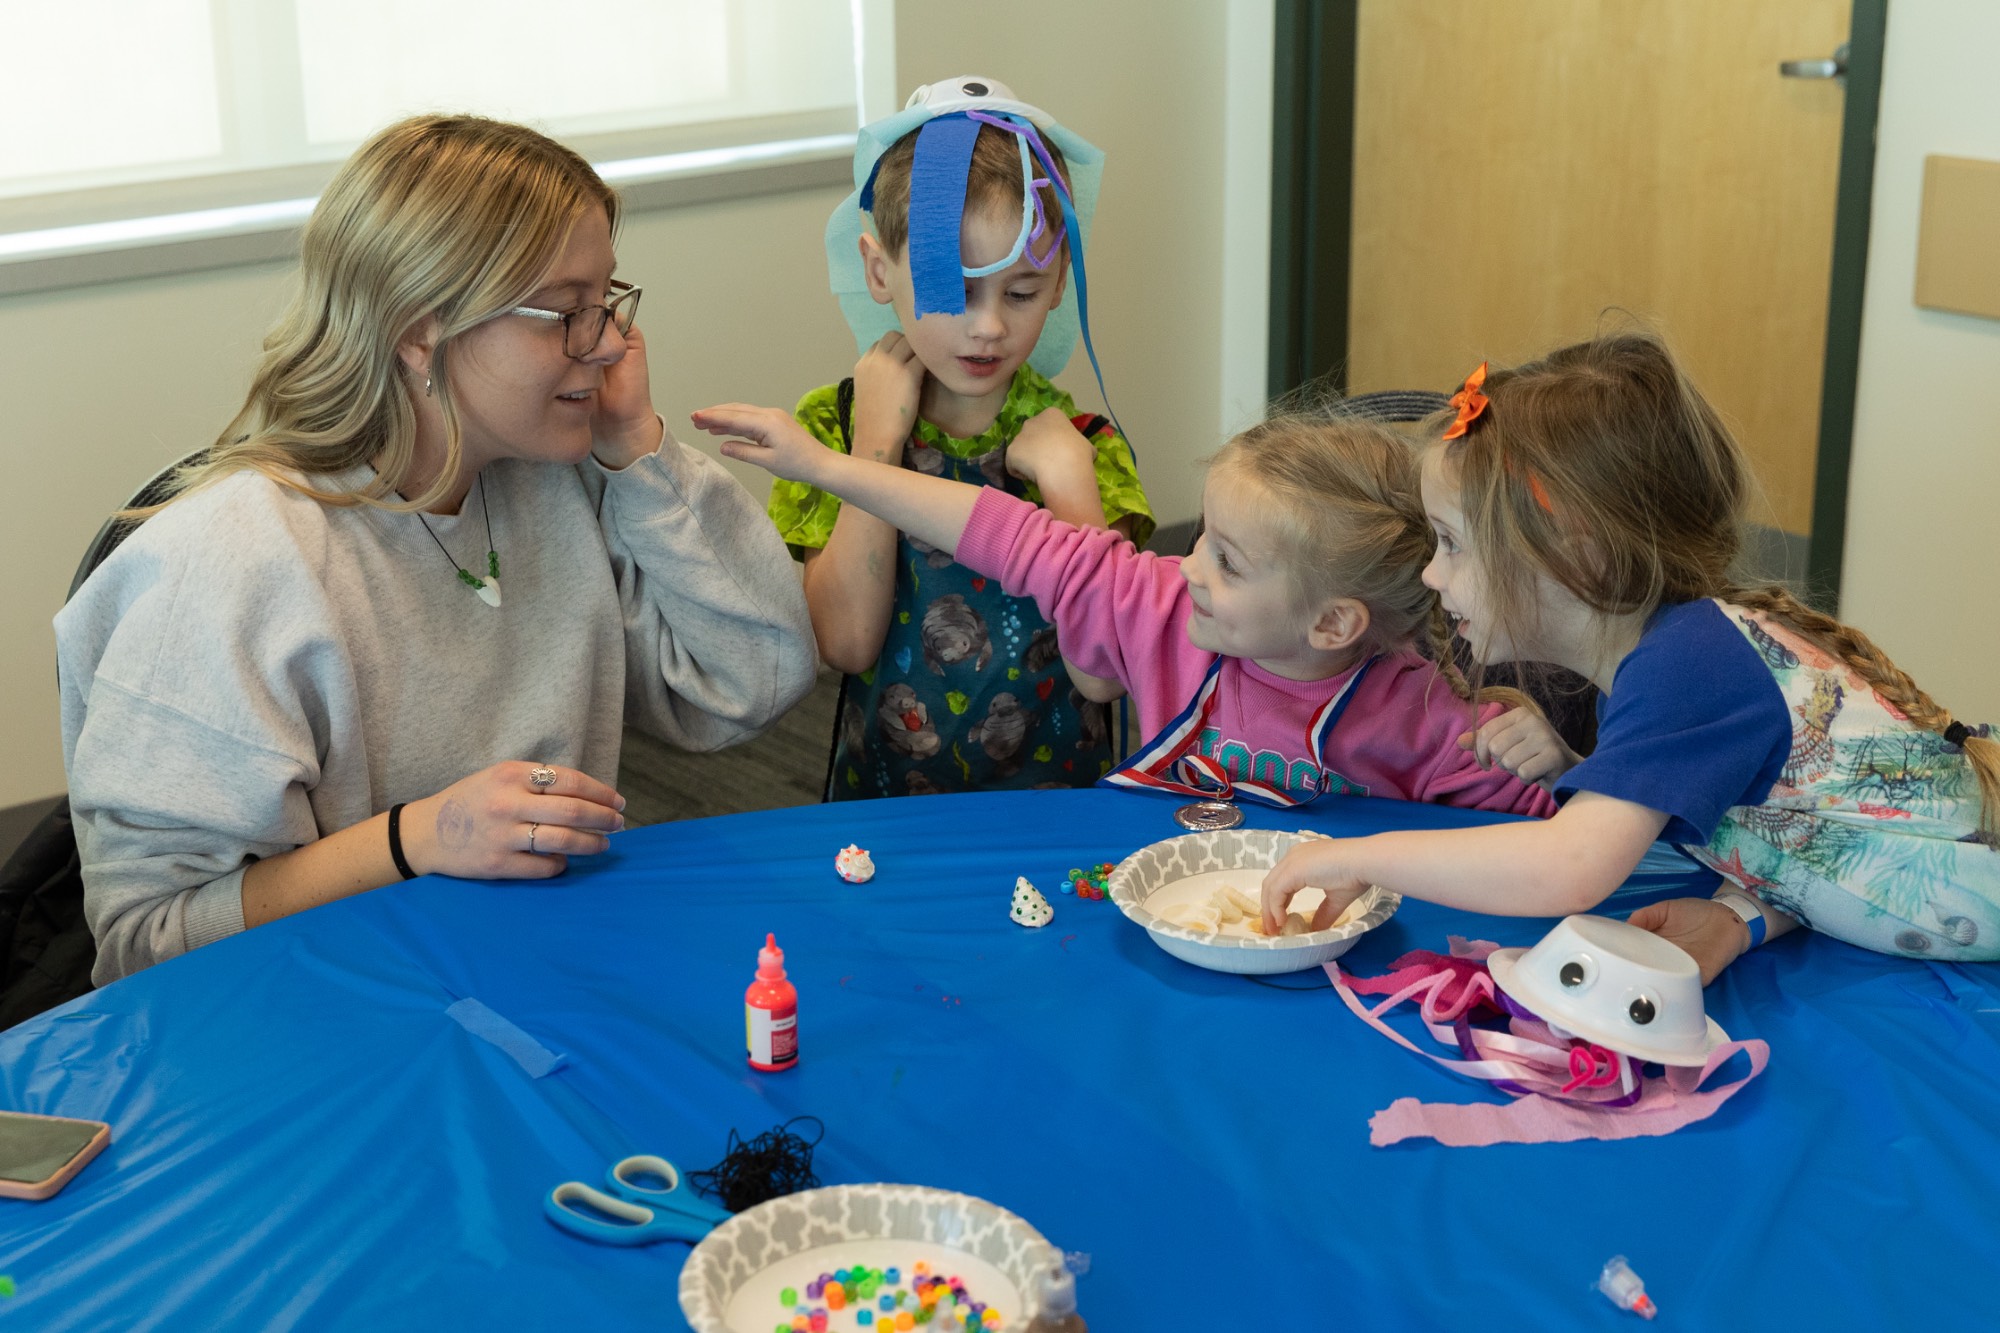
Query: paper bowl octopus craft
column 1196, row 895
column 1613, row 984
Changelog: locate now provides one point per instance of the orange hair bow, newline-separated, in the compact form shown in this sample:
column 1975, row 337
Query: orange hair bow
column 1469, row 402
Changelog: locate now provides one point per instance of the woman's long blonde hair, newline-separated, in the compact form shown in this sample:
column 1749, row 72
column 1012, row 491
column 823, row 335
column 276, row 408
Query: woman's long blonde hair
column 1603, row 467
column 456, row 217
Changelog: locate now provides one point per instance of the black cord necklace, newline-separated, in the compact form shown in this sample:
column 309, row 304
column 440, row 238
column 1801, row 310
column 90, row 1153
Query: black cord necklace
column 488, row 588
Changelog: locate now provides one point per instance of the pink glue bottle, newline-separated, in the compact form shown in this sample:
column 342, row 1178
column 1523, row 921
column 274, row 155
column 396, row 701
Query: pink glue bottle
column 771, row 1012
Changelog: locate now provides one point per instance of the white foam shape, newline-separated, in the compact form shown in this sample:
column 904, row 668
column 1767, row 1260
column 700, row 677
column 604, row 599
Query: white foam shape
column 1029, row 907
column 854, row 865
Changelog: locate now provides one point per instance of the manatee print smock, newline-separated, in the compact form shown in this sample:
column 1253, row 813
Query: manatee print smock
column 969, row 693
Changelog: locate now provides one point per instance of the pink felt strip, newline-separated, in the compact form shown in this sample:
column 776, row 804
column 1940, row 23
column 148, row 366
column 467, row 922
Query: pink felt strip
column 1662, row 1108
column 1563, row 1090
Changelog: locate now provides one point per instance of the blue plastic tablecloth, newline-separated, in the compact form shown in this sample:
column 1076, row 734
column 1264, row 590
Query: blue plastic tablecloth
column 303, row 1137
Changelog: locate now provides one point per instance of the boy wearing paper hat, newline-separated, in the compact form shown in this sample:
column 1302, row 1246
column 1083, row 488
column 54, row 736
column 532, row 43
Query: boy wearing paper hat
column 962, row 304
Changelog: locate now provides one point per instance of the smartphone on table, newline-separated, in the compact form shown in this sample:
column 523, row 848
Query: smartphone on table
column 39, row 1153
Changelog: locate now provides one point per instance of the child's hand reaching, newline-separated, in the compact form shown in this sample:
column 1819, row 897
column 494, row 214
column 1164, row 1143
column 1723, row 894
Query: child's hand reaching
column 769, row 438
column 888, row 390
column 1315, row 863
column 1522, row 742
column 1050, row 450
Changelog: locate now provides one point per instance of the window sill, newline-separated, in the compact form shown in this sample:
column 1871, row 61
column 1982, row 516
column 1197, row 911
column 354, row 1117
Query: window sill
column 263, row 233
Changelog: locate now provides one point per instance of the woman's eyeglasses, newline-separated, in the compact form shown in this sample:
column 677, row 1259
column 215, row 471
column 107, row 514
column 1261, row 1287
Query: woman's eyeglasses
column 583, row 328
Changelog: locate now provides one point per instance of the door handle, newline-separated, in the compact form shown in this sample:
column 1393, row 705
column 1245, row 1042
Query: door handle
column 1832, row 67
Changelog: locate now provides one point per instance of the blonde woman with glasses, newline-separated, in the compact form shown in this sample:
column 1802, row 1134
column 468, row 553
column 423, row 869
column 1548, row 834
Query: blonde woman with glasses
column 393, row 621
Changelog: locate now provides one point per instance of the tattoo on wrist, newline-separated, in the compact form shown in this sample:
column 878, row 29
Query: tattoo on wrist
column 454, row 826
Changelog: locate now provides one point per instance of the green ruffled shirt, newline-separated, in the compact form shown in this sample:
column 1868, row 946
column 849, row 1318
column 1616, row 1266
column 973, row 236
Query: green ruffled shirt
column 805, row 515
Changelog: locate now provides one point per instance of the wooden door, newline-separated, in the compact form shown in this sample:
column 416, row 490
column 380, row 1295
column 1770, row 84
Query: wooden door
column 1523, row 172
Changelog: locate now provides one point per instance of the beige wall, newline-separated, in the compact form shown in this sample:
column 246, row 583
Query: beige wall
column 1919, row 573
column 103, row 385
column 1145, row 83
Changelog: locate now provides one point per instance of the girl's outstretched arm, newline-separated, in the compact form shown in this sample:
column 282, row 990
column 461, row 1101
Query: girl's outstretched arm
column 930, row 509
column 1552, row 867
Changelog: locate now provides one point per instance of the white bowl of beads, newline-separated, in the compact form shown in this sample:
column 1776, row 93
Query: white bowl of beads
column 1197, row 896
column 905, row 1245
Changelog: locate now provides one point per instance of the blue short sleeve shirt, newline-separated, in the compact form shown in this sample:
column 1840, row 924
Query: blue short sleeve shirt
column 1694, row 724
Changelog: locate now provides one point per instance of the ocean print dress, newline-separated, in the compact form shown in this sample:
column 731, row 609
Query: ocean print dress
column 1870, row 833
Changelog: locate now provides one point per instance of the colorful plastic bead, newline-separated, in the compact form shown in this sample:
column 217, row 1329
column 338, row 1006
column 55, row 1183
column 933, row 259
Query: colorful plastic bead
column 892, row 1276
column 801, row 1324
column 864, row 1317
column 887, row 1303
column 905, row 1321
column 836, row 1299
column 788, row 1297
column 819, row 1321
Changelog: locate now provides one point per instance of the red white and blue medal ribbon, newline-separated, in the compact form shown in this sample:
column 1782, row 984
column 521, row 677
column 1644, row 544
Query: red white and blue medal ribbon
column 1171, row 763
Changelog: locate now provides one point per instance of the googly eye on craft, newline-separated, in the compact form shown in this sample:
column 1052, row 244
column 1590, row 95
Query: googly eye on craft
column 1614, row 985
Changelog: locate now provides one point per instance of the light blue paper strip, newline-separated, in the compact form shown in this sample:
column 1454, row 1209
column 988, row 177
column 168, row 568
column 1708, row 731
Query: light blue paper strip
column 870, row 321
column 523, row 1049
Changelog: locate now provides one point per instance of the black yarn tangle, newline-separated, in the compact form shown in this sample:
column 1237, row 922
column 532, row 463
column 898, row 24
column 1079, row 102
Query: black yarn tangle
column 775, row 1163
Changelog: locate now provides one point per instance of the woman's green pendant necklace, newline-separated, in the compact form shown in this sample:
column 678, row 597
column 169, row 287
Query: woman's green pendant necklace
column 488, row 588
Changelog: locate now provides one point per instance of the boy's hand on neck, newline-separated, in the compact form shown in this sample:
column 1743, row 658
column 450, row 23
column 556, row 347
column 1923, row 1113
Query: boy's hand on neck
column 888, row 387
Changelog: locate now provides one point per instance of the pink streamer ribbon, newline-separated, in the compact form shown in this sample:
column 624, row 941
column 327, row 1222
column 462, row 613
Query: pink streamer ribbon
column 1563, row 1090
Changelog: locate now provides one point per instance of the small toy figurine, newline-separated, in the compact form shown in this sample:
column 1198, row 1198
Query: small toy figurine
column 854, row 865
column 1029, row 907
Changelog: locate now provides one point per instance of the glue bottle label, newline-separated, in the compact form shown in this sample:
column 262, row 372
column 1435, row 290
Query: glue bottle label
column 773, row 1035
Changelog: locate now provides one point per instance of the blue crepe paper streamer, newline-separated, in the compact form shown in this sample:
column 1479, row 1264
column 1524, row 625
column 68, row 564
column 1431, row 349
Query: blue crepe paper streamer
column 938, row 173
column 533, row 1057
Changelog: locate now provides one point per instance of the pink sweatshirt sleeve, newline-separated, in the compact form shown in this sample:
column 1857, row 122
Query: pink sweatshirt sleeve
column 1457, row 779
column 1118, row 611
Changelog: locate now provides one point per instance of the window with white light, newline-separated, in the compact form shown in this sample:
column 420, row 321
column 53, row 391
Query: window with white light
column 123, row 110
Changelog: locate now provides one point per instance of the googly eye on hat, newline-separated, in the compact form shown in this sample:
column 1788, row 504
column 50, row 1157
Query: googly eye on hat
column 1624, row 988
column 972, row 92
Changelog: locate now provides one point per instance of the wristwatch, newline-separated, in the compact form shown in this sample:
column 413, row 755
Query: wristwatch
column 1747, row 907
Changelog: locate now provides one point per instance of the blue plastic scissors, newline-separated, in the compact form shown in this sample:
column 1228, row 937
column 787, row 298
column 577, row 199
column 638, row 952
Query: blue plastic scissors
column 645, row 1205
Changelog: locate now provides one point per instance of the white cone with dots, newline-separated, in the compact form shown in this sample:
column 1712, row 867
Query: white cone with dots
column 1030, row 908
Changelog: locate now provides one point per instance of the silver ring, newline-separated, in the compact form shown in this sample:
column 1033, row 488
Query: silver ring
column 541, row 779
column 531, row 839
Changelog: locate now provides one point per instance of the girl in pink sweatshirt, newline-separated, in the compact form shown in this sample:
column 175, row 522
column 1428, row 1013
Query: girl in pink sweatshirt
column 1276, row 662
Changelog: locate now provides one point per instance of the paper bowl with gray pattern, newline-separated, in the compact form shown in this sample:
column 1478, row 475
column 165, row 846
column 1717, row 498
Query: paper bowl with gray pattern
column 733, row 1279
column 1166, row 873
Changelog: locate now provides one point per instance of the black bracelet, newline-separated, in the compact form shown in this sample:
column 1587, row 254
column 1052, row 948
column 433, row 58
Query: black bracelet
column 396, row 841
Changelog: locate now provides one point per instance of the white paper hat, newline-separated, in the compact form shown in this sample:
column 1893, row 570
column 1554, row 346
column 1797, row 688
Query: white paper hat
column 1624, row 988
column 870, row 321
